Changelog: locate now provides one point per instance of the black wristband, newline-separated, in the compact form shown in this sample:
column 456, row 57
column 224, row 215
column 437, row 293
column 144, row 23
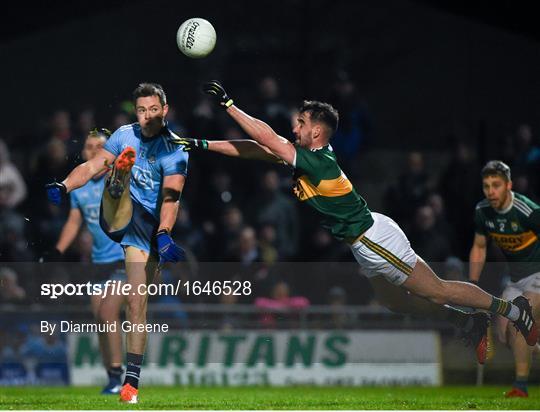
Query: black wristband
column 163, row 231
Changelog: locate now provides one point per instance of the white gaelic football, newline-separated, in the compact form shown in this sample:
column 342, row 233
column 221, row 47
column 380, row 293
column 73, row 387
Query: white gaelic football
column 196, row 38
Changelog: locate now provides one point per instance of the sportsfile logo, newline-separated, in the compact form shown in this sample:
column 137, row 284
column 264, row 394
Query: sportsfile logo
column 118, row 288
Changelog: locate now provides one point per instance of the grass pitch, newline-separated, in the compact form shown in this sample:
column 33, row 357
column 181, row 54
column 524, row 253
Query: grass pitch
column 448, row 397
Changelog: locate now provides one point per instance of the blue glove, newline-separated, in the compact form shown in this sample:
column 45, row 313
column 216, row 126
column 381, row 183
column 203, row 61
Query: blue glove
column 55, row 191
column 167, row 249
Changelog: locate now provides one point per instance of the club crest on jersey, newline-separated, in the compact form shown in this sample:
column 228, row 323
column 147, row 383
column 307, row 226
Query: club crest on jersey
column 514, row 226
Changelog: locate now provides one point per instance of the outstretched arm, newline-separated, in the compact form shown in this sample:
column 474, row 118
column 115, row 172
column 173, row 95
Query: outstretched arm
column 264, row 134
column 245, row 149
column 255, row 128
column 84, row 172
column 79, row 176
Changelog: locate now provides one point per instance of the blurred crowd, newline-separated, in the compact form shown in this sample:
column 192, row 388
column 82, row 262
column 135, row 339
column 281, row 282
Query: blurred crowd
column 242, row 213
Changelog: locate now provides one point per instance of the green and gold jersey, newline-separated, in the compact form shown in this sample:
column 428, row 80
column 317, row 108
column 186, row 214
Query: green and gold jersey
column 515, row 230
column 321, row 184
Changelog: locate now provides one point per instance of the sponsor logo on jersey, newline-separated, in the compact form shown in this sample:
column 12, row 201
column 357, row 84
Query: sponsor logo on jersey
column 304, row 189
column 514, row 243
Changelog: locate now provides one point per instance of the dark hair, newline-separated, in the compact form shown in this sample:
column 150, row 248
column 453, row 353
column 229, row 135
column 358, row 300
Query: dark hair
column 496, row 168
column 321, row 112
column 100, row 132
column 150, row 89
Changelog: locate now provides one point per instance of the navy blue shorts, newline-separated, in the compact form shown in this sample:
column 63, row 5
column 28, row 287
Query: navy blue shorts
column 139, row 232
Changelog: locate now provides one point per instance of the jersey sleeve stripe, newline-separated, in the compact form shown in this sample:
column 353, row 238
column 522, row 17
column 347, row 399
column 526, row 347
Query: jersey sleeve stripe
column 522, row 209
column 524, row 205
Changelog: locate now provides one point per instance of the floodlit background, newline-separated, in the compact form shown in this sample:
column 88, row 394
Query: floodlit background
column 427, row 94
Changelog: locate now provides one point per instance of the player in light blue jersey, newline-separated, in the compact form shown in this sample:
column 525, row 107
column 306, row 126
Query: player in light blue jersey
column 106, row 255
column 139, row 206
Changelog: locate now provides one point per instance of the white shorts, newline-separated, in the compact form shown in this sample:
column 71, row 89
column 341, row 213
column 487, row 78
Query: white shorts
column 529, row 284
column 385, row 250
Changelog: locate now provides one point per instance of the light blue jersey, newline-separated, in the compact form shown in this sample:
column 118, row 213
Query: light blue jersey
column 155, row 158
column 87, row 199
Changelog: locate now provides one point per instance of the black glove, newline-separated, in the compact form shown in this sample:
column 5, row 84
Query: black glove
column 216, row 90
column 51, row 255
column 192, row 145
column 55, row 192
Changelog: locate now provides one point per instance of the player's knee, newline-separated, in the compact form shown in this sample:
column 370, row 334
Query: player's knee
column 107, row 314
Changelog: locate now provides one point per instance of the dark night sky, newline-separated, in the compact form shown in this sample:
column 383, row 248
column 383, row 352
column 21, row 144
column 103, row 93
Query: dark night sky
column 20, row 20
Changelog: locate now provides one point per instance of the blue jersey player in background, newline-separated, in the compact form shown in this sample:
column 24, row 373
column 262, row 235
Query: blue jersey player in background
column 107, row 257
column 139, row 206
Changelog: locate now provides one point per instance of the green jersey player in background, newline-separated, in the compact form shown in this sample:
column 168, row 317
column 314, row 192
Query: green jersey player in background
column 512, row 222
column 376, row 241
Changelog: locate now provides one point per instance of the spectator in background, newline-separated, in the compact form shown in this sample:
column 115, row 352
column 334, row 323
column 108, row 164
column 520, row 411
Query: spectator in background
column 203, row 119
column 271, row 206
column 521, row 184
column 223, row 237
column 47, row 219
column 125, row 114
column 13, row 242
column 45, row 348
column 526, row 156
column 460, row 190
column 426, row 240
column 337, row 301
column 267, row 243
column 12, row 186
column 410, row 191
column 174, row 122
column 442, row 226
column 10, row 291
column 120, row 119
column 53, row 161
column 246, row 248
column 86, row 120
column 323, row 247
column 218, row 195
column 229, row 320
column 61, row 129
column 190, row 236
column 270, row 105
column 280, row 304
column 354, row 122
column 60, row 126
